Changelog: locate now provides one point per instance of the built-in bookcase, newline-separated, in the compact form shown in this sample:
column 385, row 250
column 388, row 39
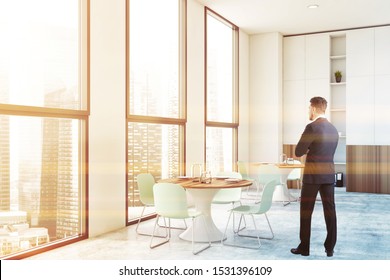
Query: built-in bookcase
column 338, row 95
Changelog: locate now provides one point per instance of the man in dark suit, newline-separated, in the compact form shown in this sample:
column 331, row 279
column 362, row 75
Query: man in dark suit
column 318, row 142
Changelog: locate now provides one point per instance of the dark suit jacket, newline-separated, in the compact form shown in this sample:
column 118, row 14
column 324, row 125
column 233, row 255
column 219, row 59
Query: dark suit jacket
column 319, row 142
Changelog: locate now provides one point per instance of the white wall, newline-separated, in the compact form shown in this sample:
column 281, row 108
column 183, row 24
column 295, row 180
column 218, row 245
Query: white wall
column 265, row 101
column 243, row 129
column 107, row 130
column 195, row 134
column 107, row 137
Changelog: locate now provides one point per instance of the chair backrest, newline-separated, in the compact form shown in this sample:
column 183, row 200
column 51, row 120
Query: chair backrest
column 267, row 173
column 170, row 200
column 145, row 182
column 242, row 169
column 266, row 197
column 231, row 194
column 295, row 173
column 230, row 174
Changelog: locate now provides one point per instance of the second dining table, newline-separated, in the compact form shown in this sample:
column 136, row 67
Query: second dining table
column 282, row 170
column 202, row 195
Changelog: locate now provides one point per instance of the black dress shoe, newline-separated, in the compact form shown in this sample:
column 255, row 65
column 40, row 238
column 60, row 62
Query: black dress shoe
column 297, row 251
column 329, row 253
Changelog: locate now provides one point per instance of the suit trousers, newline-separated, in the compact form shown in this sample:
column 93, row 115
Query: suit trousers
column 308, row 198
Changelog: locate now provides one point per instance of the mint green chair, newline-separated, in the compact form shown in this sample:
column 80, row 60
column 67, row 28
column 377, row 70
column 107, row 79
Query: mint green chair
column 230, row 195
column 253, row 210
column 226, row 196
column 242, row 169
column 170, row 202
column 145, row 182
column 296, row 175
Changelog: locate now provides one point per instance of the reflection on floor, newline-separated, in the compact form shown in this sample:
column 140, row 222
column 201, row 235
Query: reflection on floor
column 363, row 234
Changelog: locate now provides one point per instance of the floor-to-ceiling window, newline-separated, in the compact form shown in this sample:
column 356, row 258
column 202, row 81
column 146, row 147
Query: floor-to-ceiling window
column 156, row 92
column 43, row 124
column 221, row 68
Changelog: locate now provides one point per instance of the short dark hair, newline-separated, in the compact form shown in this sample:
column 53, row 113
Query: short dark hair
column 319, row 103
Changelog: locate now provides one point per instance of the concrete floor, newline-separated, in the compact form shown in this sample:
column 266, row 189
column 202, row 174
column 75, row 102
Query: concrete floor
column 363, row 234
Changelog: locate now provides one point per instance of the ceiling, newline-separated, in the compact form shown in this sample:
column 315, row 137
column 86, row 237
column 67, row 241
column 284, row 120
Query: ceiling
column 293, row 17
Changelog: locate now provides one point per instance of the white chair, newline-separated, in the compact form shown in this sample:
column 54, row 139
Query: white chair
column 229, row 196
column 252, row 210
column 242, row 169
column 171, row 203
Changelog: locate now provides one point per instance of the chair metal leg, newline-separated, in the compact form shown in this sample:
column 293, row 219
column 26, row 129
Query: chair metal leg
column 239, row 228
column 236, row 244
column 258, row 237
column 256, row 196
column 167, row 236
column 224, row 237
column 257, row 185
column 162, row 226
column 179, row 228
column 143, row 233
column 139, row 221
column 289, row 200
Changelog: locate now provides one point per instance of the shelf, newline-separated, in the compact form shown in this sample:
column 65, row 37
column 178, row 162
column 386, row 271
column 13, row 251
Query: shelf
column 334, row 57
column 338, row 84
column 338, row 97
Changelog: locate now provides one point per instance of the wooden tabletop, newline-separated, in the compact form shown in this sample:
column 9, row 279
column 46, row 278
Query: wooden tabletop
column 286, row 165
column 281, row 165
column 190, row 183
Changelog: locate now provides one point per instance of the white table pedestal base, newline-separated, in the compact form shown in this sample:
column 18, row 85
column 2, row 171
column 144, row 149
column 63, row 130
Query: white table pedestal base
column 202, row 200
column 282, row 194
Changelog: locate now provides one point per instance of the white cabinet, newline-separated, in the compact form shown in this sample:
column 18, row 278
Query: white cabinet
column 360, row 51
column 295, row 111
column 361, row 111
column 382, row 85
column 382, row 50
column 317, row 56
column 382, row 109
column 317, row 87
column 359, row 106
column 305, row 74
column 368, row 88
column 294, row 58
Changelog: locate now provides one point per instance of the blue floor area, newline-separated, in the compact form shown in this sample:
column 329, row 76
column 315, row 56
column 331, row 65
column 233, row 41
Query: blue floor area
column 363, row 234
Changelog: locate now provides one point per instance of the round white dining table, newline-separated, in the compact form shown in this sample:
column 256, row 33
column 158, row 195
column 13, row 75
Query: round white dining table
column 202, row 195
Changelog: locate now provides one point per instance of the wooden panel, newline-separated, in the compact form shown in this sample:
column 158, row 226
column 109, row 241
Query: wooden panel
column 384, row 155
column 367, row 169
column 289, row 151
